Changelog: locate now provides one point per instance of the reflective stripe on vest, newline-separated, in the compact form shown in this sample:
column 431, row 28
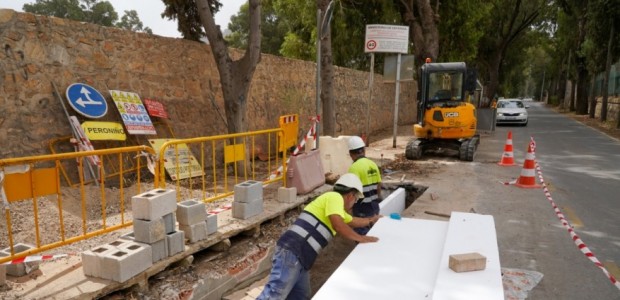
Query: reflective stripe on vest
column 320, row 229
column 370, row 193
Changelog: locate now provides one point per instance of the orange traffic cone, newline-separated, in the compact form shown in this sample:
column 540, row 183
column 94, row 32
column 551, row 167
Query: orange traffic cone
column 528, row 178
column 508, row 158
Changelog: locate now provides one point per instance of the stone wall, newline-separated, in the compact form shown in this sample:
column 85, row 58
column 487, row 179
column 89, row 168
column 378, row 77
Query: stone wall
column 181, row 74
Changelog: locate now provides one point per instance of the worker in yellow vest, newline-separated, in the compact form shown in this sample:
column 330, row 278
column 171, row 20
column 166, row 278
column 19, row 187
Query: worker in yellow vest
column 370, row 175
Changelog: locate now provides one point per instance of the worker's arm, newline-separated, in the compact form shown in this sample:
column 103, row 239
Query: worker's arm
column 363, row 222
column 346, row 231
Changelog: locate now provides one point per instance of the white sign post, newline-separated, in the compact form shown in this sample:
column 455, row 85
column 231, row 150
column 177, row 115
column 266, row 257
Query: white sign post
column 386, row 38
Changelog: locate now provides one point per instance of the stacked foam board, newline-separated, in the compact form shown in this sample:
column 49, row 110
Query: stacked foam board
column 195, row 221
column 411, row 261
column 248, row 200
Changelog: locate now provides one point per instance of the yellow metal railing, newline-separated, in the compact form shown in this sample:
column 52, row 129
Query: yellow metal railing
column 36, row 180
column 222, row 159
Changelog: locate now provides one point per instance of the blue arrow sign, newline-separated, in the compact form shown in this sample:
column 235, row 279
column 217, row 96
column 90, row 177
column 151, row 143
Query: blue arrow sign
column 86, row 100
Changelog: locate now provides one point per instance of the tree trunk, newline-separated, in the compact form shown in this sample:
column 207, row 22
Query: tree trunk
column 494, row 65
column 235, row 76
column 592, row 99
column 582, row 88
column 327, row 78
column 423, row 32
column 607, row 71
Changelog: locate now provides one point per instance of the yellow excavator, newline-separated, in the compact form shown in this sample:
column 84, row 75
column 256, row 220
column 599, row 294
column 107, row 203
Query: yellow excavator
column 446, row 120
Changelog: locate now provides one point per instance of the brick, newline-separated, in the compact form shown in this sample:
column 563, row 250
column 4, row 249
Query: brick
column 149, row 231
column 176, row 242
column 92, row 260
column 153, row 204
column 196, row 232
column 287, row 195
column 211, row 223
column 127, row 261
column 191, row 212
column 19, row 269
column 170, row 223
column 248, row 191
column 467, row 262
column 244, row 211
column 159, row 250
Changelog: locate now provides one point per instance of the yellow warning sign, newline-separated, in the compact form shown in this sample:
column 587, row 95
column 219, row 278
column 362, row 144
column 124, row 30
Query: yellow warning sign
column 179, row 161
column 104, row 131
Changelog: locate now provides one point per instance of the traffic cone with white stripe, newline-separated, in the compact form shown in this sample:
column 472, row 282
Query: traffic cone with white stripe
column 508, row 158
column 528, row 178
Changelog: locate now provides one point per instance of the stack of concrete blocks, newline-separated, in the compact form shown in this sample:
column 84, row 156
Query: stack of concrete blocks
column 248, row 199
column 117, row 261
column 17, row 270
column 195, row 221
column 154, row 222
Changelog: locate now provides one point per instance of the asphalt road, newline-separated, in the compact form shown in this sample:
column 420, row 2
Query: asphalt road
column 581, row 168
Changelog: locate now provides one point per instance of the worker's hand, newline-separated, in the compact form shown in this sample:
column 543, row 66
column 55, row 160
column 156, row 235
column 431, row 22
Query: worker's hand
column 368, row 239
column 375, row 218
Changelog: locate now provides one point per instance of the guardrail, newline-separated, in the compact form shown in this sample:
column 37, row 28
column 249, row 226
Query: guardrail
column 29, row 182
column 229, row 159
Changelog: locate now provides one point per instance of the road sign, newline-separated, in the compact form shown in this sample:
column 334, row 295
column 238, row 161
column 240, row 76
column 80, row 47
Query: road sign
column 386, row 38
column 86, row 100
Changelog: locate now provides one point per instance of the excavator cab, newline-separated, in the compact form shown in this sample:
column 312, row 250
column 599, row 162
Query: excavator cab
column 445, row 120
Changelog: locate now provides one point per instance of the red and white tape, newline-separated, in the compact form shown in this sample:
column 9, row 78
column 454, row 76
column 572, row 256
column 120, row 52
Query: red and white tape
column 580, row 244
column 34, row 258
column 220, row 209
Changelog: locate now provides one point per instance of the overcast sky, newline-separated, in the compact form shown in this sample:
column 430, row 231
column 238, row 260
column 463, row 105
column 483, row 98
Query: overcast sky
column 149, row 12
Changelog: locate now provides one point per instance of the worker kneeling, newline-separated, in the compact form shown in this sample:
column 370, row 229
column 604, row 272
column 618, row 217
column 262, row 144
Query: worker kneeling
column 300, row 244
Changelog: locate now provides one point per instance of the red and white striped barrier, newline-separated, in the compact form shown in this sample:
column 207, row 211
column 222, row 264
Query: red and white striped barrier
column 580, row 244
column 33, row 258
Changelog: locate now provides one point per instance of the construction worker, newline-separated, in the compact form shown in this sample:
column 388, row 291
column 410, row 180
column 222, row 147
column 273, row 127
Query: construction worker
column 370, row 175
column 300, row 244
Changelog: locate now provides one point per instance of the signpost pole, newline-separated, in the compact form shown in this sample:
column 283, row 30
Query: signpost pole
column 371, row 78
column 318, row 76
column 74, row 131
column 397, row 97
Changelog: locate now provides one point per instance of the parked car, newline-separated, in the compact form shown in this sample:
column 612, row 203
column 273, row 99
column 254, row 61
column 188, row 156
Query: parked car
column 511, row 111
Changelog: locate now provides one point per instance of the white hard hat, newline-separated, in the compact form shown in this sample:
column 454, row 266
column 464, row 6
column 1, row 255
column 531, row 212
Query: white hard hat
column 356, row 142
column 351, row 180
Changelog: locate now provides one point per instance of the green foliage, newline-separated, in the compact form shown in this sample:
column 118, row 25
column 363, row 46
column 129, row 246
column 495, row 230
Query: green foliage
column 600, row 16
column 461, row 26
column 131, row 21
column 272, row 28
column 186, row 12
column 91, row 11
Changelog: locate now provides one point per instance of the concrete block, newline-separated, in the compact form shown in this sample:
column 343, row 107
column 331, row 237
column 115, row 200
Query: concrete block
column 176, row 242
column 126, row 261
column 287, row 195
column 92, row 260
column 170, row 223
column 248, row 191
column 196, row 232
column 149, row 231
column 467, row 262
column 153, row 204
column 243, row 211
column 19, row 269
column 2, row 275
column 160, row 249
column 211, row 223
column 191, row 212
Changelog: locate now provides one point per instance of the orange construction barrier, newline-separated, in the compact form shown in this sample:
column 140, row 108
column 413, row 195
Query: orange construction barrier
column 528, row 178
column 508, row 158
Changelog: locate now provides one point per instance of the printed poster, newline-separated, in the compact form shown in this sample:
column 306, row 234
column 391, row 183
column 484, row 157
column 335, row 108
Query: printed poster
column 133, row 112
column 187, row 165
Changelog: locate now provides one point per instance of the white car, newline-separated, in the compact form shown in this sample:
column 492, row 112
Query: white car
column 511, row 111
